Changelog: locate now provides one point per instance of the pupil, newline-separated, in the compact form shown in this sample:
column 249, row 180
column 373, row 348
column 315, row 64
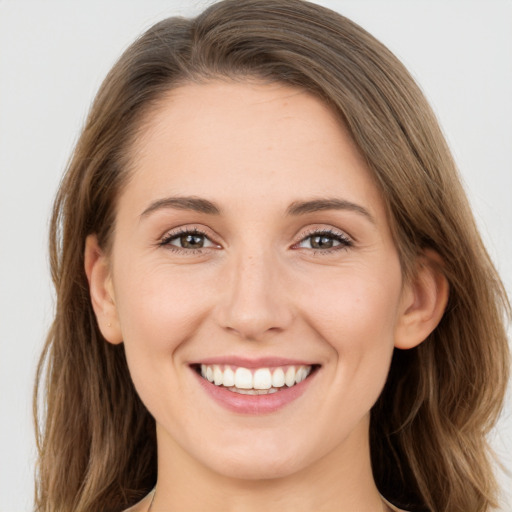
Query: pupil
column 321, row 242
column 192, row 241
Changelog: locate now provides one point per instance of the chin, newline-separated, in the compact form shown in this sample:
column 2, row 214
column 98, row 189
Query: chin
column 263, row 464
column 258, row 470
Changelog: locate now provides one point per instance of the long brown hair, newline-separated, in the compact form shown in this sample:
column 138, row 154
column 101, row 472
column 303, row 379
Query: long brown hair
column 96, row 441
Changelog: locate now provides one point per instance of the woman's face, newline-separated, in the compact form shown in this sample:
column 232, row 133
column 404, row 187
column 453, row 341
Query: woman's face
column 251, row 240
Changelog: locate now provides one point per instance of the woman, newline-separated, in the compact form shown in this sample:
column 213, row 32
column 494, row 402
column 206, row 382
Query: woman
column 280, row 298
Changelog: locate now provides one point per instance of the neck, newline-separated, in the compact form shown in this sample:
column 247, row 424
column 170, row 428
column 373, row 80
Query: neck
column 341, row 481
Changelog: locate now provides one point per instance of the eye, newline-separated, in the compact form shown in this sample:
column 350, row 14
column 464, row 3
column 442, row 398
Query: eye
column 187, row 240
column 325, row 240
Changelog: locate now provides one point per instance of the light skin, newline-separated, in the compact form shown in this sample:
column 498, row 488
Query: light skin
column 273, row 167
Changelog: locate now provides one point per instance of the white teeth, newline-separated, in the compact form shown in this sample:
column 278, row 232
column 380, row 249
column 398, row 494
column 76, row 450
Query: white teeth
column 218, row 377
column 243, row 378
column 262, row 379
column 253, row 391
column 289, row 378
column 301, row 374
column 278, row 380
column 259, row 381
column 245, row 391
column 229, row 377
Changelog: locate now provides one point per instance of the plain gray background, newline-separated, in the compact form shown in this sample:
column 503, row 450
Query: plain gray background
column 53, row 57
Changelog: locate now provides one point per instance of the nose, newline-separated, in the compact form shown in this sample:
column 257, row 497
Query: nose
column 253, row 302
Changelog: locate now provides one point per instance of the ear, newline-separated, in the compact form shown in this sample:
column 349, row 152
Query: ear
column 424, row 301
column 98, row 273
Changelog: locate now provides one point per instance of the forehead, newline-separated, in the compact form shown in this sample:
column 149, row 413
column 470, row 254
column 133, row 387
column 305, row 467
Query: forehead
column 271, row 143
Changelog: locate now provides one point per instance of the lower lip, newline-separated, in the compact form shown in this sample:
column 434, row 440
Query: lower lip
column 254, row 404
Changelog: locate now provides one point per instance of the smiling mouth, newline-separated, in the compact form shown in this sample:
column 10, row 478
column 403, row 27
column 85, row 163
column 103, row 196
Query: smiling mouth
column 255, row 381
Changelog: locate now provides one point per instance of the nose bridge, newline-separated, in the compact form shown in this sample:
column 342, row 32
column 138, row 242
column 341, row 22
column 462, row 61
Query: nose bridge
column 254, row 300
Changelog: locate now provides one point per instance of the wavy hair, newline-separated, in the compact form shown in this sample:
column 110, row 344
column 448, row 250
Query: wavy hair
column 96, row 441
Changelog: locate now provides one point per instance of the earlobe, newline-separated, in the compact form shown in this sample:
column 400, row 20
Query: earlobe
column 424, row 302
column 101, row 290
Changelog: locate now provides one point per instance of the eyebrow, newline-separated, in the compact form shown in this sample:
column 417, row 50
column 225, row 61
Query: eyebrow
column 296, row 208
column 316, row 205
column 196, row 204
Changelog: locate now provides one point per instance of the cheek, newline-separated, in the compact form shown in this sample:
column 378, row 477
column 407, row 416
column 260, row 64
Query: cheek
column 158, row 309
column 356, row 315
column 357, row 320
column 355, row 311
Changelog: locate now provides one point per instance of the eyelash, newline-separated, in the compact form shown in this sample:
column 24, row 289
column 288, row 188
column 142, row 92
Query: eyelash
column 166, row 241
column 344, row 240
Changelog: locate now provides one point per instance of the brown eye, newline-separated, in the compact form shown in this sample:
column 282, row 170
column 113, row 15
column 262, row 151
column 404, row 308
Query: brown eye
column 321, row 242
column 325, row 241
column 192, row 241
column 187, row 240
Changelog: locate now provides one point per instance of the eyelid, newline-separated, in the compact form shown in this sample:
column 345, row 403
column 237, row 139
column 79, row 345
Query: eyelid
column 331, row 231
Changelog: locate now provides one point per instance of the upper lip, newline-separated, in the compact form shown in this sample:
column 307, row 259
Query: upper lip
column 260, row 362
